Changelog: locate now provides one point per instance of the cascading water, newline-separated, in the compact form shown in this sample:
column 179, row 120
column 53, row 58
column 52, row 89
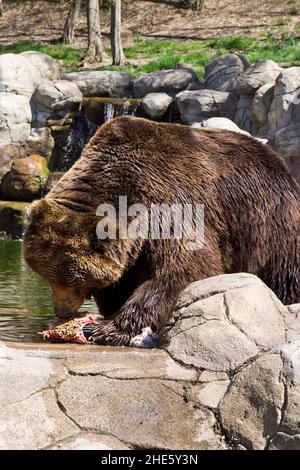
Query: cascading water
column 94, row 113
column 81, row 132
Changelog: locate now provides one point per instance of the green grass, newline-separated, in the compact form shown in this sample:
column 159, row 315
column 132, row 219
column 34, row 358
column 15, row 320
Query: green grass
column 162, row 55
column 69, row 56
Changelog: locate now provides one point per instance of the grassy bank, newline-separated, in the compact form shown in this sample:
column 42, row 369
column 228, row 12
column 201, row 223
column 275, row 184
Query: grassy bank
column 152, row 56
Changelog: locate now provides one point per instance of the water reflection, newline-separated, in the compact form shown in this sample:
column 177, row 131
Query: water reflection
column 25, row 300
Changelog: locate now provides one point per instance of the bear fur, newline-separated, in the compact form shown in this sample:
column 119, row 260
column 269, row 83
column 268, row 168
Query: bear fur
column 252, row 215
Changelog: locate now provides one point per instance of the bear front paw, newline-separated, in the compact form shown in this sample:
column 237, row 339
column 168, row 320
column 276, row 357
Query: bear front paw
column 106, row 333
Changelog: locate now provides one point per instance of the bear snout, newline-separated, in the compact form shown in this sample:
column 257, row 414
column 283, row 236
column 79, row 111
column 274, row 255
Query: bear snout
column 66, row 301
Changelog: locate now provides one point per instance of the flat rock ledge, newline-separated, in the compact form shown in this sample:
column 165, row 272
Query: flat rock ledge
column 227, row 378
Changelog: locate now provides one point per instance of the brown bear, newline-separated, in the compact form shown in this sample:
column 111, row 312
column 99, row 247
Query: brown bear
column 251, row 222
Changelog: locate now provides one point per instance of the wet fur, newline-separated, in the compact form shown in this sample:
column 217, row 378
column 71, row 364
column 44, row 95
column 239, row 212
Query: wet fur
column 252, row 211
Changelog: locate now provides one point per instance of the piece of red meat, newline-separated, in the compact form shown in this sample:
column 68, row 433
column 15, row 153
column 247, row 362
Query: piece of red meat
column 70, row 331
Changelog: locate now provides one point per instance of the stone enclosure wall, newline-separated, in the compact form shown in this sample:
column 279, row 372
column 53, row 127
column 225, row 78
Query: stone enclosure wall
column 38, row 105
column 226, row 377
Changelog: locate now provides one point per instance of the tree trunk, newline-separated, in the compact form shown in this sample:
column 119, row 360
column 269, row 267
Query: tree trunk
column 94, row 51
column 1, row 8
column 69, row 28
column 115, row 33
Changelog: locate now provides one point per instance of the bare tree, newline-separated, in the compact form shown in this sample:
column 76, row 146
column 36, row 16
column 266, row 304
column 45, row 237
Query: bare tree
column 69, row 28
column 115, row 33
column 94, row 51
column 1, row 8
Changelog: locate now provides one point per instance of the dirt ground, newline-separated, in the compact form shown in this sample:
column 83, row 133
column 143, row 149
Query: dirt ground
column 43, row 20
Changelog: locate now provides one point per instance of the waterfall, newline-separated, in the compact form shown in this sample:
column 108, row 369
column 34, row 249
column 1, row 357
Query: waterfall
column 94, row 113
column 81, row 131
column 108, row 112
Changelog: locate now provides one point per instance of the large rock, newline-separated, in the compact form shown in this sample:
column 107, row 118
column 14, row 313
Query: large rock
column 290, row 354
column 46, row 65
column 257, row 75
column 15, row 118
column 40, row 142
column 222, row 73
column 155, row 105
column 261, row 104
column 26, row 179
column 196, row 106
column 251, row 409
column 167, row 81
column 12, row 219
column 242, row 116
column 18, row 74
column 285, row 107
column 228, row 381
column 224, row 321
column 55, row 99
column 287, row 141
column 162, row 420
column 101, row 84
column 7, row 154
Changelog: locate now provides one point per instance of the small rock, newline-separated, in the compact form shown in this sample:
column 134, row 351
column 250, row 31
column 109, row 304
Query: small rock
column 155, row 105
column 26, row 179
column 221, row 123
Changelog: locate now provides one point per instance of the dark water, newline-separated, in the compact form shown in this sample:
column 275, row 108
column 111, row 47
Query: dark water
column 25, row 299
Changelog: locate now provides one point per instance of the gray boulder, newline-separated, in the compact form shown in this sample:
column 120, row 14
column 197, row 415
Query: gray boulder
column 256, row 76
column 18, row 74
column 221, row 322
column 287, row 141
column 261, row 104
column 155, row 105
column 285, row 107
column 59, row 95
column 167, row 81
column 222, row 73
column 242, row 116
column 40, row 142
column 15, row 118
column 101, row 84
column 251, row 410
column 195, row 106
column 46, row 65
column 54, row 99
